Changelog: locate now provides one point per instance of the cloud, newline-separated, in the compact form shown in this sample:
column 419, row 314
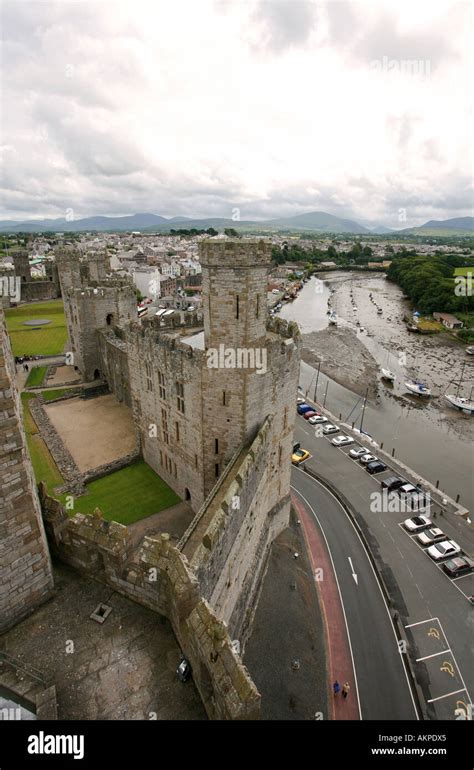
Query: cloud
column 271, row 106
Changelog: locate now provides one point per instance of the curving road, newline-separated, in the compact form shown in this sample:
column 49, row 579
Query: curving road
column 382, row 688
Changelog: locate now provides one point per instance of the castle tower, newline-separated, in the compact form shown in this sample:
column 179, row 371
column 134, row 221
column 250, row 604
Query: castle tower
column 25, row 567
column 22, row 265
column 236, row 378
column 68, row 264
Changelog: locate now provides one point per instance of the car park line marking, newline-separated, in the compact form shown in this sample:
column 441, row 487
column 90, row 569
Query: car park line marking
column 461, row 577
column 427, row 657
column 420, row 623
column 440, row 697
column 419, row 591
column 381, row 593
column 455, row 663
column 338, row 588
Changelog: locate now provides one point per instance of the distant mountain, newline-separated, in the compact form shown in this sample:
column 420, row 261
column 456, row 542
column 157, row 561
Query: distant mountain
column 314, row 221
column 319, row 221
column 455, row 226
column 131, row 222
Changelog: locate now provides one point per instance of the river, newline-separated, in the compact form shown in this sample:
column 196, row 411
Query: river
column 435, row 440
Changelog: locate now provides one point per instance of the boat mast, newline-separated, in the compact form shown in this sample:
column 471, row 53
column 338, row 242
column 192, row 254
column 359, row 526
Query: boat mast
column 460, row 379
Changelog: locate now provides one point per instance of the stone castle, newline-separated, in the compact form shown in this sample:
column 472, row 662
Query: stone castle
column 213, row 398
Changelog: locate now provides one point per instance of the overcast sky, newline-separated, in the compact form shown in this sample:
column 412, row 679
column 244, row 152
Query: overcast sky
column 275, row 107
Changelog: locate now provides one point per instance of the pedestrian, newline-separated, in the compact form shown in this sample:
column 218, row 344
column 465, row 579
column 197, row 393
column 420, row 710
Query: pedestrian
column 345, row 689
column 336, row 687
column 26, row 367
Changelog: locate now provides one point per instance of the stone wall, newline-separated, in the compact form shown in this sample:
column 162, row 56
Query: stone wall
column 25, row 568
column 158, row 576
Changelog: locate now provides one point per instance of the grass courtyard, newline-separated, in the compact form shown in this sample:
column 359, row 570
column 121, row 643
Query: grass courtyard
column 36, row 376
column 46, row 340
column 126, row 496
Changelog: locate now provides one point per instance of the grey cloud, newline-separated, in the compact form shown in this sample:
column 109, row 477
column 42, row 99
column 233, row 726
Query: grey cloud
column 284, row 23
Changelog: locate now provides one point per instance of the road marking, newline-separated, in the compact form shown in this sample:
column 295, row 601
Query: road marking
column 432, row 700
column 379, row 587
column 420, row 622
column 427, row 657
column 340, row 594
column 455, row 661
column 409, row 570
column 353, row 571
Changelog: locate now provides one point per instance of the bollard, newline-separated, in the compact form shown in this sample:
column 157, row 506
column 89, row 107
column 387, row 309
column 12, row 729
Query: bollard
column 437, row 483
column 353, row 425
column 340, row 416
column 457, row 498
column 381, row 445
column 393, row 452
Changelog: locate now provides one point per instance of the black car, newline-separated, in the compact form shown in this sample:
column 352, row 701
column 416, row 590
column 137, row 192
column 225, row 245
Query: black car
column 460, row 565
column 376, row 466
column 393, row 482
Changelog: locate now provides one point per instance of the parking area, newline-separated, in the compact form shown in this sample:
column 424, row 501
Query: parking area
column 409, row 505
column 447, row 687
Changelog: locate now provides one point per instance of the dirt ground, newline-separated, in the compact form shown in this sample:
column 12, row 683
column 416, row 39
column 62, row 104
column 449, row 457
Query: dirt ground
column 343, row 358
column 64, row 374
column 95, row 431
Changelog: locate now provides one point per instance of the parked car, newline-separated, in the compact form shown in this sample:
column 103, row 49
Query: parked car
column 377, row 466
column 461, row 565
column 444, row 550
column 329, row 428
column 357, row 452
column 406, row 489
column 417, row 523
column 367, row 458
column 342, row 440
column 300, row 456
column 430, row 536
column 392, row 483
column 310, row 413
column 317, row 419
column 302, row 408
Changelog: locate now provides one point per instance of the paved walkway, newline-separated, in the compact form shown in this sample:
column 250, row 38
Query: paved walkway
column 339, row 656
column 174, row 520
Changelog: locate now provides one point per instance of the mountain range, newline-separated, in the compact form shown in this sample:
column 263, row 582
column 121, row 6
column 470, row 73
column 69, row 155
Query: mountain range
column 314, row 221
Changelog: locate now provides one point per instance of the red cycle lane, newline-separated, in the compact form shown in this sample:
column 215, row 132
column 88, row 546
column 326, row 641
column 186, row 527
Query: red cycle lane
column 337, row 644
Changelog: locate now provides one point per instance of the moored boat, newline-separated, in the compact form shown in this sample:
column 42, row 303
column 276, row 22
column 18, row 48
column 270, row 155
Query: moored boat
column 388, row 375
column 460, row 403
column 418, row 388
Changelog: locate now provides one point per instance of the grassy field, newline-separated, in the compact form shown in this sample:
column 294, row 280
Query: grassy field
column 50, row 395
column 127, row 495
column 430, row 325
column 45, row 469
column 464, row 271
column 36, row 376
column 43, row 340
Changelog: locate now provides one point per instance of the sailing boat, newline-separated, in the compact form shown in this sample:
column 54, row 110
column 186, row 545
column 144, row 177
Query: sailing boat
column 417, row 388
column 387, row 375
column 459, row 402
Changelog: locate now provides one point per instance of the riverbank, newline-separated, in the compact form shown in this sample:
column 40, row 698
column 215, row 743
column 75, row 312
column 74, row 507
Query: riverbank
column 343, row 358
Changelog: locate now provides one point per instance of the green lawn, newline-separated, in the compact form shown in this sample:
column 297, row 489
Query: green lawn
column 127, row 495
column 44, row 467
column 50, row 395
column 36, row 376
column 464, row 270
column 41, row 340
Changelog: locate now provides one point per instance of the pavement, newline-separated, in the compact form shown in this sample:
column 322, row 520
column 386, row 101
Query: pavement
column 286, row 653
column 430, row 606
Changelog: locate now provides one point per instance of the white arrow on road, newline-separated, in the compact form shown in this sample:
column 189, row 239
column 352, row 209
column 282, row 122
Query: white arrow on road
column 352, row 568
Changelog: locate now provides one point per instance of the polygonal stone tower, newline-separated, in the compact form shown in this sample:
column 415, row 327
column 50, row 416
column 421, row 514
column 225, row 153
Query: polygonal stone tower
column 25, row 567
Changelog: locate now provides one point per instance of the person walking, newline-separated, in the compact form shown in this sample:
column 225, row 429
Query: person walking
column 345, row 689
column 25, row 367
column 336, row 687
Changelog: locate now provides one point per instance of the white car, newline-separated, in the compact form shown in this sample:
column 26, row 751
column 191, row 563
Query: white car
column 406, row 489
column 317, row 419
column 417, row 523
column 430, row 536
column 342, row 440
column 444, row 550
column 330, row 429
column 367, row 458
column 357, row 452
